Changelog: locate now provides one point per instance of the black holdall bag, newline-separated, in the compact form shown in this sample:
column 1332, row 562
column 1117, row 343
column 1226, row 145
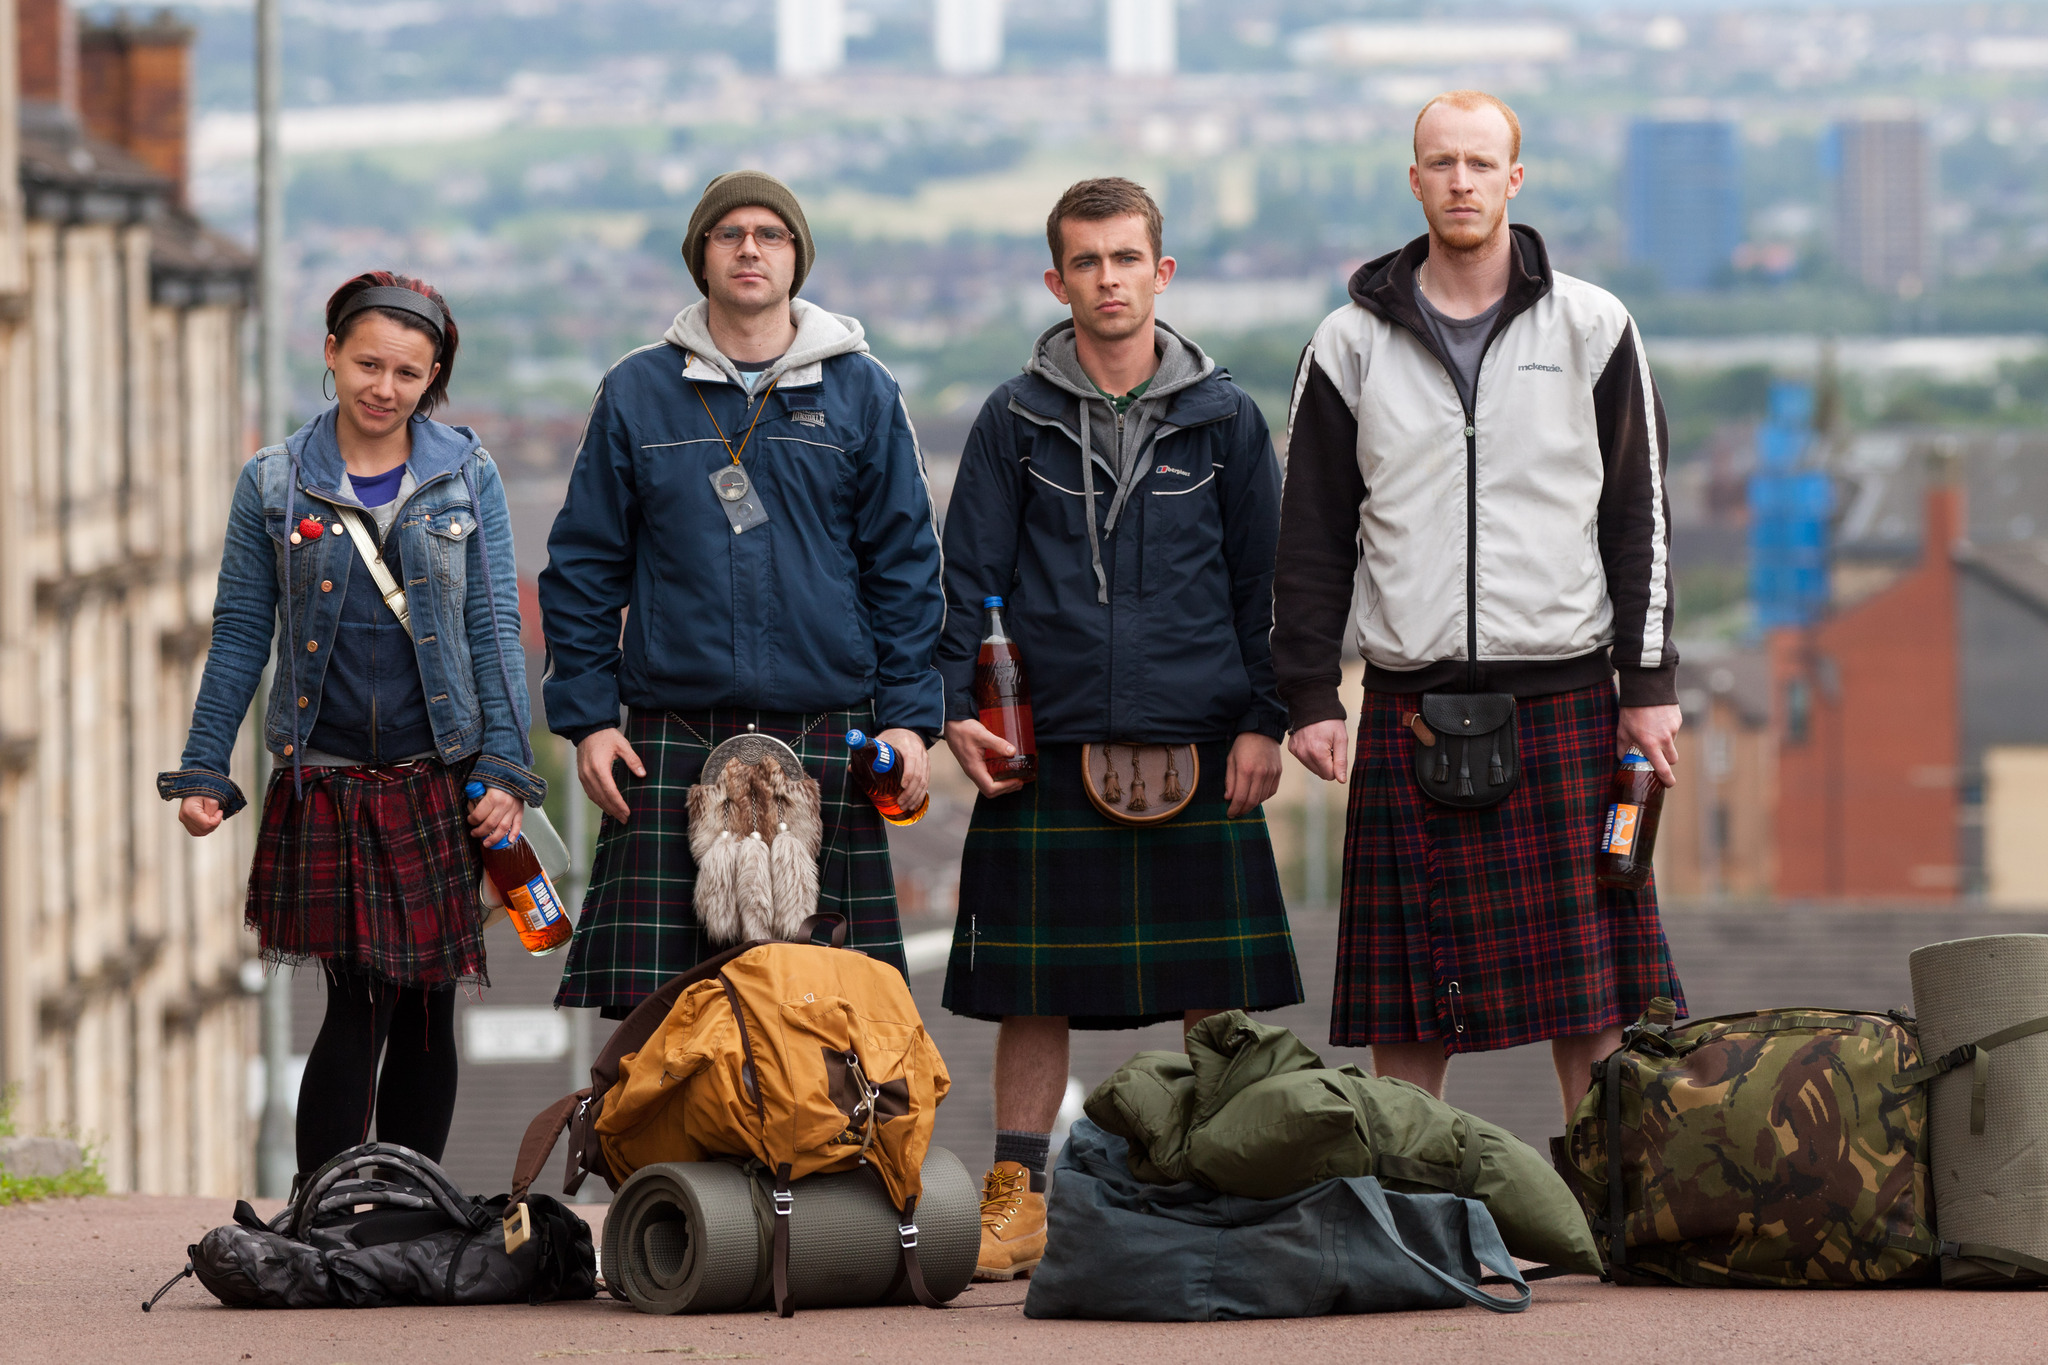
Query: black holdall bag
column 1466, row 751
column 381, row 1226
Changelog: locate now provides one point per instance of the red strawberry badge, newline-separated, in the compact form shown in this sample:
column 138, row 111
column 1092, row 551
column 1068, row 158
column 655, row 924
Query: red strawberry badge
column 310, row 529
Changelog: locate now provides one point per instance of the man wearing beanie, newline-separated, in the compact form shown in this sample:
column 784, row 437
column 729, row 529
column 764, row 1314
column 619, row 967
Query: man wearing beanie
column 747, row 545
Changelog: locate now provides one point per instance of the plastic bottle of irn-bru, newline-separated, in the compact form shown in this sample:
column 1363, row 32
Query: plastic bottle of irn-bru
column 534, row 908
column 879, row 772
column 1003, row 699
column 1630, row 836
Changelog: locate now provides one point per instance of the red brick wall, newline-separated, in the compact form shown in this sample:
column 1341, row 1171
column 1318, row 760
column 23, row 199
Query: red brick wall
column 1867, row 801
column 48, row 51
column 134, row 82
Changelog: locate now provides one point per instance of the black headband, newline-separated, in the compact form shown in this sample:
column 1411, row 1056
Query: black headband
column 404, row 300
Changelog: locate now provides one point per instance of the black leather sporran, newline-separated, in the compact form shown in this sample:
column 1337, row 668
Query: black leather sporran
column 1466, row 752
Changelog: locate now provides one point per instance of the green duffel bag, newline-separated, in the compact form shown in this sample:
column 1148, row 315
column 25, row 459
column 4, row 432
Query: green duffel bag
column 1777, row 1150
column 1249, row 1109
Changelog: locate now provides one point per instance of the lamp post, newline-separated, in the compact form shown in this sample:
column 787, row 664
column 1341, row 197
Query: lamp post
column 276, row 1147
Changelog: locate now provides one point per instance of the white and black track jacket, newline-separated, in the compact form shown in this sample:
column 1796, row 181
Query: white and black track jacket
column 1521, row 547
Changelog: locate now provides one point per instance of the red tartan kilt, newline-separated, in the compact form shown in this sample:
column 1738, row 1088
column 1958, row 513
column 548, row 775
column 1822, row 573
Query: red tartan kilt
column 1484, row 929
column 372, row 868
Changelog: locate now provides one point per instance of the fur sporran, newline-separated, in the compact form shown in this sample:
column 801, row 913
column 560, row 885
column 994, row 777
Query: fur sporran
column 756, row 825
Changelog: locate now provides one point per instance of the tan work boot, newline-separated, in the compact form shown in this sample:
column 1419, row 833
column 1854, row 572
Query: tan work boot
column 1012, row 1224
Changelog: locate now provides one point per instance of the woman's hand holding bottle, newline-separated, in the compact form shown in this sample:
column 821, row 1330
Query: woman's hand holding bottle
column 495, row 816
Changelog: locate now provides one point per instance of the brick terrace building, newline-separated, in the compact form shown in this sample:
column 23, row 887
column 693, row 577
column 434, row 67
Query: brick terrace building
column 122, row 1014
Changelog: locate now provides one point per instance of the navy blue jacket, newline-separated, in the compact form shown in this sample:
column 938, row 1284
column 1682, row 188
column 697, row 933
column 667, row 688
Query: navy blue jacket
column 1180, row 653
column 834, row 601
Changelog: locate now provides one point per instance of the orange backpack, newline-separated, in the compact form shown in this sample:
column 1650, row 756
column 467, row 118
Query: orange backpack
column 806, row 1058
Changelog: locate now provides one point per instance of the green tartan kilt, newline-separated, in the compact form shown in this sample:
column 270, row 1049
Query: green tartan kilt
column 1064, row 912
column 639, row 922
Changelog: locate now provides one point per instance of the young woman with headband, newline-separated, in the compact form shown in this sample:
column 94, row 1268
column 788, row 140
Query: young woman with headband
column 381, row 712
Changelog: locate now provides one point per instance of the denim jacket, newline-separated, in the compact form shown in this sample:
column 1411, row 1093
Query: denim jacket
column 452, row 532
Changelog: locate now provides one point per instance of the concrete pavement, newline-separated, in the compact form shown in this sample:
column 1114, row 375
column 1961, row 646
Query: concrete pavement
column 73, row 1275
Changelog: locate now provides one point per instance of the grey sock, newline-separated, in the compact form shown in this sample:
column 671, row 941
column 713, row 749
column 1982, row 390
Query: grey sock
column 1026, row 1149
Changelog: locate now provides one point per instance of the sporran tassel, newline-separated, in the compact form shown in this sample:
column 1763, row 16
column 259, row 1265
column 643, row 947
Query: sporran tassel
column 793, row 853
column 1464, row 771
column 753, row 887
column 1172, row 791
column 1112, row 790
column 711, row 844
column 1495, row 773
column 1137, row 801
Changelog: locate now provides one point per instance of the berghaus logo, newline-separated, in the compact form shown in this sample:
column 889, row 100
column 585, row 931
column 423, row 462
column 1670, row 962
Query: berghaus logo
column 1169, row 469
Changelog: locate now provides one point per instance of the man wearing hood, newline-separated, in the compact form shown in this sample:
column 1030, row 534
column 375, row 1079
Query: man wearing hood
column 747, row 544
column 1122, row 497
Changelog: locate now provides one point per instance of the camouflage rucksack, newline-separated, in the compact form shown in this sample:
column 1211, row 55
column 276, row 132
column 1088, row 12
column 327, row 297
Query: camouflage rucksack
column 1767, row 1150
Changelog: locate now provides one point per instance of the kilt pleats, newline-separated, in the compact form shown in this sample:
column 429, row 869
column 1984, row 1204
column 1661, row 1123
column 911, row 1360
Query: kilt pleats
column 1486, row 929
column 639, row 924
column 373, row 868
column 1063, row 912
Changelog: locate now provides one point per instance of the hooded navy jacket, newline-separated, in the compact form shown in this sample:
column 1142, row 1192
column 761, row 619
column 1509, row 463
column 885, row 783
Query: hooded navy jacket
column 1180, row 651
column 834, row 601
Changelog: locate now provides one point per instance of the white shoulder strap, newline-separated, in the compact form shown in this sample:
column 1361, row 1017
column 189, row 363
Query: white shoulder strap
column 366, row 545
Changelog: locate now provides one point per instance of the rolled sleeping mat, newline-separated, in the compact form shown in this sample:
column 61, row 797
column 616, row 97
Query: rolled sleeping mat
column 684, row 1237
column 1983, row 1010
column 694, row 1237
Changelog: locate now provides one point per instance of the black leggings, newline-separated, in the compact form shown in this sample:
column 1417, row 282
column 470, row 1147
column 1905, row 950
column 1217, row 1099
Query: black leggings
column 413, row 1098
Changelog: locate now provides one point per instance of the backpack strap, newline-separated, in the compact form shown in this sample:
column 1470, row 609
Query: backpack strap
column 913, row 1269
column 785, row 1302
column 808, row 931
column 1978, row 1054
column 539, row 1144
column 1617, row 1195
column 2011, row 1263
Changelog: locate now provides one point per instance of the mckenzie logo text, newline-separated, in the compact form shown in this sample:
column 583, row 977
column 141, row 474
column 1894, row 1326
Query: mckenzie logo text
column 1547, row 369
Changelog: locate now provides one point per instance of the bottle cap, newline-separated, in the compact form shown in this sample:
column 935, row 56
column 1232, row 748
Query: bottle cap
column 1634, row 759
column 474, row 791
column 991, row 601
column 505, row 842
column 856, row 739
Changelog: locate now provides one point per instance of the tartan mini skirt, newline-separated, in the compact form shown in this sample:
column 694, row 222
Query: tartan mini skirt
column 372, row 868
column 1063, row 911
column 639, row 920
column 1485, row 929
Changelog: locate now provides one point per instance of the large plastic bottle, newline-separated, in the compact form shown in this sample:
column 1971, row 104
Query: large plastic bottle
column 1003, row 699
column 878, row 771
column 535, row 910
column 1630, row 836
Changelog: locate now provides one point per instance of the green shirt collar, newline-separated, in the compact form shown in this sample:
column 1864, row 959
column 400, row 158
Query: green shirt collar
column 1122, row 402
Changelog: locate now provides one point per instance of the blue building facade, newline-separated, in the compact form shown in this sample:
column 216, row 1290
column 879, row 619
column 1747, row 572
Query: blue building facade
column 1682, row 198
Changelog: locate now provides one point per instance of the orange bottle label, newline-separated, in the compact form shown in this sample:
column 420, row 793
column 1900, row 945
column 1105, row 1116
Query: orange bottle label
column 1623, row 819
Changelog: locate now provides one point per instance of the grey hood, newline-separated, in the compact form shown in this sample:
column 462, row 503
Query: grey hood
column 1056, row 359
column 819, row 336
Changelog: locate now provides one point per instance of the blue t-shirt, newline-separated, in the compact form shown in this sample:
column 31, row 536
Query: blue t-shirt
column 374, row 490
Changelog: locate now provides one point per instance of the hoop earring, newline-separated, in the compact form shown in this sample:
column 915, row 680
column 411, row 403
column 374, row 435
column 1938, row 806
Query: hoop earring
column 420, row 417
column 326, row 383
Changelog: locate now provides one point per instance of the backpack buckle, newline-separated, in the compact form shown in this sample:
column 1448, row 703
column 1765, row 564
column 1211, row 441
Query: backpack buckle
column 783, row 1201
column 907, row 1233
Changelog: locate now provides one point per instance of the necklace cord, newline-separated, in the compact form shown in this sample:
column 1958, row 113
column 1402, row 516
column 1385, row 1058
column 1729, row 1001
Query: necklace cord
column 750, row 426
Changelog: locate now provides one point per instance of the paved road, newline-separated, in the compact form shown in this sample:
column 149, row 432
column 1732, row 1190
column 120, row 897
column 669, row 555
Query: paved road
column 72, row 1276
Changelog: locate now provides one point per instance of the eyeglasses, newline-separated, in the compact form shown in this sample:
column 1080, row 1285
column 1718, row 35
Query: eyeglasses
column 767, row 238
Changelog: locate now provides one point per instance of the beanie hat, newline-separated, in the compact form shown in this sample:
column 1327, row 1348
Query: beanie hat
column 739, row 190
